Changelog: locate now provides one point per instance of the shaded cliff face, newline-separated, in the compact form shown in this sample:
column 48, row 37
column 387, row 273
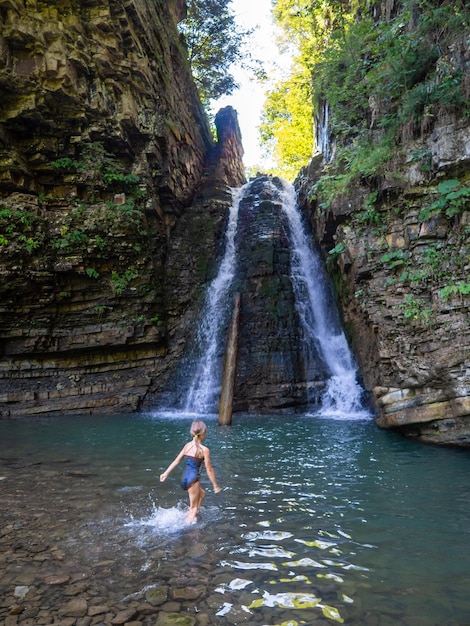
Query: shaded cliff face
column 274, row 372
column 403, row 284
column 103, row 146
column 271, row 369
column 110, row 71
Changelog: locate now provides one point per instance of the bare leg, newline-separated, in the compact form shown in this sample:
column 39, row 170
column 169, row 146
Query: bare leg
column 194, row 496
column 202, row 495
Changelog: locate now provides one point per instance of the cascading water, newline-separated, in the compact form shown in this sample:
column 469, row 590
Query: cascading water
column 323, row 141
column 205, row 385
column 323, row 341
column 318, row 316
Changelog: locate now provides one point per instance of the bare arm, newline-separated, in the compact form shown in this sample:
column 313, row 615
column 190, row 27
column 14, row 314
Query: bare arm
column 210, row 470
column 172, row 466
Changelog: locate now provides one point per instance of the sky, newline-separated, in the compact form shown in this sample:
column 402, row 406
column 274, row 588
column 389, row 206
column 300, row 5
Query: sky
column 248, row 100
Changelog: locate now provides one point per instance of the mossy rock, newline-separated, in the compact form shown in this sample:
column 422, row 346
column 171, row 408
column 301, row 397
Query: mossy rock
column 156, row 595
column 174, row 619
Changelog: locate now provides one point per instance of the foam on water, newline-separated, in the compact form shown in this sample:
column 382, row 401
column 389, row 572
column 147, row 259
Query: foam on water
column 341, row 414
column 175, row 414
column 167, row 522
column 161, row 520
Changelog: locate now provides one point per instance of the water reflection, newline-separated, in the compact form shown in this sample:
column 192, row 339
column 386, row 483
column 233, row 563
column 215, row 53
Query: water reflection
column 320, row 521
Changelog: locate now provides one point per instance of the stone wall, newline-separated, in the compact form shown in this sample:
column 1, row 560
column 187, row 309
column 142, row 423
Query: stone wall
column 104, row 145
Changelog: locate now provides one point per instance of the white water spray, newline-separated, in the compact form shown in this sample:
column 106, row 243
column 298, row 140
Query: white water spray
column 205, row 385
column 343, row 393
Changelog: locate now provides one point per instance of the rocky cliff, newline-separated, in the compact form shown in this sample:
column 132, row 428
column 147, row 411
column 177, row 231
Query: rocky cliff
column 401, row 266
column 104, row 147
column 273, row 372
column 113, row 201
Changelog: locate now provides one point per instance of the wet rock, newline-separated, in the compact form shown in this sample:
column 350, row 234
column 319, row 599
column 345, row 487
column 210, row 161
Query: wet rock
column 78, row 607
column 171, row 607
column 173, row 619
column 272, row 369
column 124, row 616
column 79, row 473
column 36, row 548
column 56, row 579
column 145, row 608
column 188, row 593
column 21, row 591
column 157, row 595
column 16, row 609
column 106, row 563
column 97, row 610
column 27, row 576
column 197, row 550
column 75, row 588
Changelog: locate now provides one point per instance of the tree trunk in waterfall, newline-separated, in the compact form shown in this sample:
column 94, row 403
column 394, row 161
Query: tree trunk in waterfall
column 230, row 367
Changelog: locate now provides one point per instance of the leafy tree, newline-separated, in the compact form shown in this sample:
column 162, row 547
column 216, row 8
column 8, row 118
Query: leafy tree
column 307, row 25
column 215, row 43
column 287, row 125
column 286, row 128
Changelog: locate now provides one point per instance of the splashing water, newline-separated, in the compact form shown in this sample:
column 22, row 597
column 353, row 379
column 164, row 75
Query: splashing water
column 317, row 314
column 205, row 384
column 161, row 520
column 166, row 524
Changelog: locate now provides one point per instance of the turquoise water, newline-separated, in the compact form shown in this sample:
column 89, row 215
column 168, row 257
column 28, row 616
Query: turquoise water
column 319, row 521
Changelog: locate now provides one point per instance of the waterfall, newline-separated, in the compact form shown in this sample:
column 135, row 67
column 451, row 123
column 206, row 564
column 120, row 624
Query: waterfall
column 318, row 316
column 323, row 142
column 322, row 347
column 203, row 391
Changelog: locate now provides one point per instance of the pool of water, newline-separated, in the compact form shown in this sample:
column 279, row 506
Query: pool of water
column 320, row 521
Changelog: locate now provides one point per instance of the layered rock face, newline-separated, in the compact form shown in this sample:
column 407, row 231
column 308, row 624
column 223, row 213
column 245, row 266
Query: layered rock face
column 103, row 147
column 272, row 371
column 403, row 285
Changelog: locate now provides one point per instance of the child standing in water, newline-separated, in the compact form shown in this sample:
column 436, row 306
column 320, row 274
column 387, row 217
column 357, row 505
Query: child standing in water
column 196, row 456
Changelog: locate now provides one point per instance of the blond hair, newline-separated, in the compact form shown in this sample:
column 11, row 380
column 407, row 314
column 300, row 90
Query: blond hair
column 198, row 430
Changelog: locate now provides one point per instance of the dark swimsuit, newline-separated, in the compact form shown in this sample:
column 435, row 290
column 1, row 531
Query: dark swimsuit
column 192, row 471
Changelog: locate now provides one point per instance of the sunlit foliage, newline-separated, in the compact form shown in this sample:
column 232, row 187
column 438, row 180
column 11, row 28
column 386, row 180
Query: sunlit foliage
column 287, row 124
column 386, row 77
column 286, row 130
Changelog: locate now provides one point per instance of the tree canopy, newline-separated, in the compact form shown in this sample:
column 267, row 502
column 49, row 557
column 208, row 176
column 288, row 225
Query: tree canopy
column 287, row 123
column 286, row 128
column 215, row 43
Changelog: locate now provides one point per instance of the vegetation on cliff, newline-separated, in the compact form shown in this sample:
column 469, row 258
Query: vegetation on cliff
column 386, row 70
column 108, row 202
column 388, row 192
column 387, row 74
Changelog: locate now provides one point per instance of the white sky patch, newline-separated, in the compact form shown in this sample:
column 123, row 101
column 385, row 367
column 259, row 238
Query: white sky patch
column 249, row 99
